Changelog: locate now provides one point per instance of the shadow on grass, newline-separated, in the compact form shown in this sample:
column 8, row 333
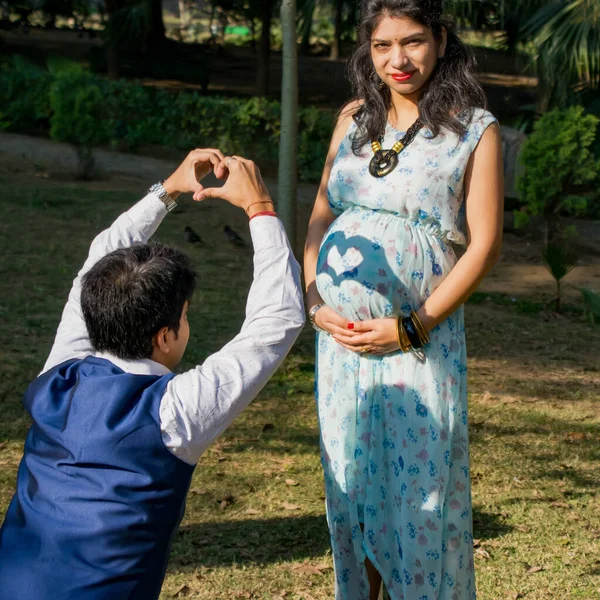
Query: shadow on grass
column 253, row 541
column 489, row 525
column 265, row 541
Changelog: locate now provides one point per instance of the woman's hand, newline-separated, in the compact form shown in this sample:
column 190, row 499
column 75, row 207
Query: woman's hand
column 332, row 323
column 374, row 337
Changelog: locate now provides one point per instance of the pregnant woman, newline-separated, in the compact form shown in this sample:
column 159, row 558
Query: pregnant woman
column 414, row 168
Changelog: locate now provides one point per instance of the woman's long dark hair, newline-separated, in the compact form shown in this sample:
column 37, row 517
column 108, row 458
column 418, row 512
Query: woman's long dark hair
column 451, row 90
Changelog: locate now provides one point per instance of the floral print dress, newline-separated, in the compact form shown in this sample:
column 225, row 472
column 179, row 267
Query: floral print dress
column 394, row 437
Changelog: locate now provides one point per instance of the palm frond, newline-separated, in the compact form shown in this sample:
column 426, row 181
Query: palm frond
column 559, row 260
column 591, row 300
column 567, row 36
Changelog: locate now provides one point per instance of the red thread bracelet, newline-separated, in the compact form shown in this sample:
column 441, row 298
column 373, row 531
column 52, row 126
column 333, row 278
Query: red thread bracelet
column 267, row 213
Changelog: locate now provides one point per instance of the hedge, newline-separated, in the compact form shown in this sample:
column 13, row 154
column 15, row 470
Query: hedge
column 128, row 115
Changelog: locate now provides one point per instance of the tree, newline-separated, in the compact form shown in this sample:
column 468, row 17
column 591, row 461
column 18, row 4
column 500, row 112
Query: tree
column 559, row 168
column 566, row 34
column 289, row 122
column 264, row 47
column 336, row 42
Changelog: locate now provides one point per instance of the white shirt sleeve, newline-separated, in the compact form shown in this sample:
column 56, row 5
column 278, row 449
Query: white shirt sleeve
column 134, row 226
column 200, row 404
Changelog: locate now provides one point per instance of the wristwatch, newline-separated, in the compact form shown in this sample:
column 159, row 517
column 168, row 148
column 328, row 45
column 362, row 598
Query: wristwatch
column 311, row 316
column 162, row 195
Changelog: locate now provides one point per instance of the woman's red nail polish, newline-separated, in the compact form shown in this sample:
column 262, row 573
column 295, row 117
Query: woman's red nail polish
column 350, row 325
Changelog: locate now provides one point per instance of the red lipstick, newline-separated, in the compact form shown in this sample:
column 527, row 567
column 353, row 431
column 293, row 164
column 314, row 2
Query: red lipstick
column 402, row 76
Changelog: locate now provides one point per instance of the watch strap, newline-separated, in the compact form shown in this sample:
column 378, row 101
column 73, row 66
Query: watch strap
column 159, row 191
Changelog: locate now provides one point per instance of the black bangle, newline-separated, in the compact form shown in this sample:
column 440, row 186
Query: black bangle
column 411, row 332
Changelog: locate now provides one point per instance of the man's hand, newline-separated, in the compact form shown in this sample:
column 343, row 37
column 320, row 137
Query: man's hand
column 196, row 166
column 244, row 186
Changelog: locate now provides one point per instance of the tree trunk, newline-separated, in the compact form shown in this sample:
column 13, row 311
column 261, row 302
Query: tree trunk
column 253, row 34
column 182, row 15
column 287, row 202
column 112, row 62
column 264, row 49
column 112, row 45
column 336, row 44
column 307, row 31
column 156, row 33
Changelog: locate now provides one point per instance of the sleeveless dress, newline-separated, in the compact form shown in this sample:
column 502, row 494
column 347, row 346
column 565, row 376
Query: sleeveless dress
column 394, row 437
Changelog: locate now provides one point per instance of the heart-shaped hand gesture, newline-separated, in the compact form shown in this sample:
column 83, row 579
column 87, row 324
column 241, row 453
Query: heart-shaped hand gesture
column 196, row 166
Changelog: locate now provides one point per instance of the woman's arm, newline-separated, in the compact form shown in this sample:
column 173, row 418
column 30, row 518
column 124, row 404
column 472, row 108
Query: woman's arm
column 484, row 198
column 320, row 220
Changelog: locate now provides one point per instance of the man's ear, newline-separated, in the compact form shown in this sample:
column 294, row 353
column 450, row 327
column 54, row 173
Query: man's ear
column 161, row 341
column 443, row 43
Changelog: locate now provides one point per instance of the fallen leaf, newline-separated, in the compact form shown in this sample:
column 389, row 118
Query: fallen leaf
column 324, row 567
column 515, row 596
column 222, row 458
column 483, row 553
column 2, row 445
column 268, row 427
column 198, row 491
column 575, row 436
column 291, row 482
column 307, row 596
column 536, row 569
column 560, row 504
column 180, row 592
column 252, row 511
column 243, row 595
column 225, row 501
column 307, row 569
column 523, row 528
column 289, row 506
column 476, row 543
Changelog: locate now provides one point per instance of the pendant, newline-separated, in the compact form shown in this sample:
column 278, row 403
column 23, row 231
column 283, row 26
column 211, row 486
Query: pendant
column 383, row 163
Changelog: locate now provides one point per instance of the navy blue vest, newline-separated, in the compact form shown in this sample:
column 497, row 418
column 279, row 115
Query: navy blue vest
column 98, row 496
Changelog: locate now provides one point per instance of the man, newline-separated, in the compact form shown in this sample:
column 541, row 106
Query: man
column 116, row 435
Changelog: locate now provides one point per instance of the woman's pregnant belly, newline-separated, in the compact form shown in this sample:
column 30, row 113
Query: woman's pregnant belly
column 375, row 264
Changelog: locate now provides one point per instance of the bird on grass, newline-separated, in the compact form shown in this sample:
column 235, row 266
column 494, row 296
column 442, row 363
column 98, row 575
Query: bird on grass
column 233, row 236
column 192, row 237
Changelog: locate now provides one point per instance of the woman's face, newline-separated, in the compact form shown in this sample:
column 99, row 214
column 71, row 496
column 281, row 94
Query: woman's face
column 405, row 53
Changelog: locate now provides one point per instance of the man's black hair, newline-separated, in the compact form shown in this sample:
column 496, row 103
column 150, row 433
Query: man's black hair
column 131, row 294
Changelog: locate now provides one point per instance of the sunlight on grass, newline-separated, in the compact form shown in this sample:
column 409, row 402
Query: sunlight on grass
column 255, row 522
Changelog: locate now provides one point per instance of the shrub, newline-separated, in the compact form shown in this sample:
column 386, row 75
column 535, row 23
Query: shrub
column 24, row 96
column 87, row 110
column 80, row 114
column 559, row 167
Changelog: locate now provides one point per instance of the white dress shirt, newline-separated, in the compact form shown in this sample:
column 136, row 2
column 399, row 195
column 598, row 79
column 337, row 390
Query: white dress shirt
column 200, row 404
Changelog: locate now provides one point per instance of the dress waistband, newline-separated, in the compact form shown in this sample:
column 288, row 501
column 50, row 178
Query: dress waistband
column 427, row 224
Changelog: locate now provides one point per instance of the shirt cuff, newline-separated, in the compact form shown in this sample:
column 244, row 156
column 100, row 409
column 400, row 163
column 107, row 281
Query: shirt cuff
column 268, row 232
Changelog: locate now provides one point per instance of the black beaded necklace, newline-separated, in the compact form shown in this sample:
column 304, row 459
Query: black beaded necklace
column 385, row 161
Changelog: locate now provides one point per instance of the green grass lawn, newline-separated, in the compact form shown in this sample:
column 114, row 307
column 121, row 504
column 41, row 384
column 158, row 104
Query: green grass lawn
column 255, row 524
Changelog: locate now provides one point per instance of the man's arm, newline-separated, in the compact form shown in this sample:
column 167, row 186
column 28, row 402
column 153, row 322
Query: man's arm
column 199, row 405
column 136, row 225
